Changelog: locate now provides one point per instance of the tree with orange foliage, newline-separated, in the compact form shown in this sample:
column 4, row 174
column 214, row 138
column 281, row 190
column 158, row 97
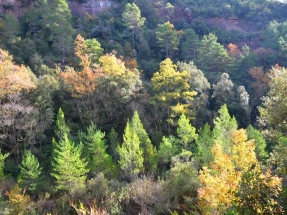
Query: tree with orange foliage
column 14, row 78
column 225, row 185
column 83, row 82
column 234, row 52
column 260, row 86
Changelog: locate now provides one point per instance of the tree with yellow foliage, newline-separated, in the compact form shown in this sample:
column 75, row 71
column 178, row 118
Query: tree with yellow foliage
column 171, row 89
column 232, row 180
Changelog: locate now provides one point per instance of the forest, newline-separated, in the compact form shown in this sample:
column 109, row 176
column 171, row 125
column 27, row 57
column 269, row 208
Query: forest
column 144, row 107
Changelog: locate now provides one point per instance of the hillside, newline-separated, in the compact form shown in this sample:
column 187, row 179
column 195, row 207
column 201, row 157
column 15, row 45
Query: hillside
column 143, row 107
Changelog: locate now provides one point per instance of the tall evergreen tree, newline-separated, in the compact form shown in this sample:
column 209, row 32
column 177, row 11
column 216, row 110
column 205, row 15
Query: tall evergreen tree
column 59, row 22
column 189, row 45
column 167, row 38
column 186, row 132
column 30, row 172
column 61, row 128
column 95, row 151
column 212, row 58
column 132, row 19
column 131, row 154
column 69, row 168
column 224, row 126
column 149, row 151
column 204, row 144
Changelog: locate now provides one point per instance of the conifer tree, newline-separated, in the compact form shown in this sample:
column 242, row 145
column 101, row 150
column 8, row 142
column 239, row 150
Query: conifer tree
column 224, row 126
column 95, row 150
column 204, row 144
column 132, row 19
column 167, row 38
column 61, row 128
column 30, row 172
column 68, row 167
column 59, row 23
column 186, row 131
column 2, row 158
column 113, row 144
column 149, row 151
column 131, row 154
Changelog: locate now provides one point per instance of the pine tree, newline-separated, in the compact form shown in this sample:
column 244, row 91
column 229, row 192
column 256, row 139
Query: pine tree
column 131, row 154
column 186, row 132
column 95, row 151
column 68, row 167
column 2, row 158
column 113, row 144
column 61, row 128
column 30, row 172
column 132, row 19
column 224, row 126
column 167, row 38
column 59, row 23
column 204, row 144
column 149, row 151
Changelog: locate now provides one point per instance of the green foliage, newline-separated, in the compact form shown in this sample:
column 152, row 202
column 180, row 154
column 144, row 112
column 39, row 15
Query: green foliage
column 224, row 126
column 182, row 180
column 132, row 19
column 2, row 158
column 59, row 23
column 131, row 154
column 189, row 45
column 68, row 167
column 93, row 50
column 259, row 142
column 186, row 132
column 204, row 144
column 171, row 89
column 114, row 142
column 223, row 90
column 278, row 158
column 11, row 28
column 149, row 151
column 167, row 38
column 197, row 81
column 61, row 128
column 167, row 149
column 30, row 172
column 212, row 57
column 95, row 151
column 273, row 111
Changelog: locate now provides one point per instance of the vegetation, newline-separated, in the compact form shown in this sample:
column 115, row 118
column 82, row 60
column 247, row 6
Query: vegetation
column 144, row 107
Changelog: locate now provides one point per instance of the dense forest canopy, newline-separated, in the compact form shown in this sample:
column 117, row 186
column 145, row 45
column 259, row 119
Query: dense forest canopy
column 143, row 107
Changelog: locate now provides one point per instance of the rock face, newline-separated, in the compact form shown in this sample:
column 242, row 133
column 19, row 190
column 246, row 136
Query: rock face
column 92, row 7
